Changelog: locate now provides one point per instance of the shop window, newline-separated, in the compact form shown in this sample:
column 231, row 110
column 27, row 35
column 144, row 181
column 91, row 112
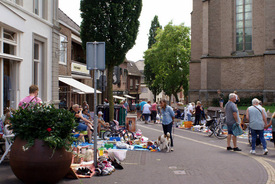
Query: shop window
column 63, row 49
column 243, row 25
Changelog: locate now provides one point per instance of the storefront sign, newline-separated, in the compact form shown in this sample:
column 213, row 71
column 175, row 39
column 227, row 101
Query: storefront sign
column 79, row 68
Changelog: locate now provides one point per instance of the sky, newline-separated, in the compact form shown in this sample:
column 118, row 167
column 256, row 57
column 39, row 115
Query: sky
column 177, row 11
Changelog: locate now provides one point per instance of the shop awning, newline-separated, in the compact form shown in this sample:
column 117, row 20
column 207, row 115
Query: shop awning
column 128, row 96
column 119, row 97
column 84, row 89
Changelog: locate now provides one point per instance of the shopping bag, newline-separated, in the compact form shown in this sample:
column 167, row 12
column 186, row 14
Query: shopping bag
column 236, row 129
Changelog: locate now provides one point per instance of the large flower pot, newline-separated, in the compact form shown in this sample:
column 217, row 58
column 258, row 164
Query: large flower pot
column 38, row 164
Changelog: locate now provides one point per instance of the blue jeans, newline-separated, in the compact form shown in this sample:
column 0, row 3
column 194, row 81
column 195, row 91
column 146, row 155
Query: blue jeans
column 189, row 117
column 254, row 134
column 168, row 128
column 81, row 127
column 146, row 117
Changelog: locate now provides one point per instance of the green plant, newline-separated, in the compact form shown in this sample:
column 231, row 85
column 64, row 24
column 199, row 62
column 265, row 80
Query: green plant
column 45, row 122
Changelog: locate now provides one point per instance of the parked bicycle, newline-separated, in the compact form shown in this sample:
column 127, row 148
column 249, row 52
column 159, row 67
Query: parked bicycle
column 218, row 127
column 114, row 131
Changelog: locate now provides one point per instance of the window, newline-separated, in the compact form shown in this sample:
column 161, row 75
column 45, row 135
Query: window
column 63, row 49
column 243, row 25
column 40, row 8
column 36, row 62
column 9, row 42
column 131, row 84
column 19, row 2
column 36, row 9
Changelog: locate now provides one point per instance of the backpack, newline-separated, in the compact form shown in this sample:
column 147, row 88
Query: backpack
column 138, row 107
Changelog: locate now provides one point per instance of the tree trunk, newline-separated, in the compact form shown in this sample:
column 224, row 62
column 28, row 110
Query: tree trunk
column 176, row 96
column 155, row 96
column 170, row 96
column 110, row 91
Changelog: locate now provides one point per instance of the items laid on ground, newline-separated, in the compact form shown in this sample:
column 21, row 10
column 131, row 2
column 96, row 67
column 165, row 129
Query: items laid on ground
column 110, row 154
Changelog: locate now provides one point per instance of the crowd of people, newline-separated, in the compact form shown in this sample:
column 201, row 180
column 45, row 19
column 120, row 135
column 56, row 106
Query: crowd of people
column 165, row 114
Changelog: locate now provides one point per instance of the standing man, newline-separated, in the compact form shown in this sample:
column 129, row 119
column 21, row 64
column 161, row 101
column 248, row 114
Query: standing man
column 257, row 121
column 231, row 112
column 168, row 117
column 32, row 98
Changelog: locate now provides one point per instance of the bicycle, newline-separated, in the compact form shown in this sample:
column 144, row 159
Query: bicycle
column 123, row 132
column 218, row 127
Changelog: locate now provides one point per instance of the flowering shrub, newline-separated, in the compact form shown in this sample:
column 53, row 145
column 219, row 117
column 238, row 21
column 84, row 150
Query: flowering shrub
column 44, row 122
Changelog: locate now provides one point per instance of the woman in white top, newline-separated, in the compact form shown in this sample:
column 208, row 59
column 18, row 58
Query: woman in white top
column 147, row 111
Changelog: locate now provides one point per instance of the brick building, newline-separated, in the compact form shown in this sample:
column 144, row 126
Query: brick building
column 75, row 81
column 232, row 48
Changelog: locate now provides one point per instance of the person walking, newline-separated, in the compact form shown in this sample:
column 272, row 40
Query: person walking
column 147, row 111
column 198, row 113
column 168, row 117
column 154, row 112
column 257, row 121
column 231, row 112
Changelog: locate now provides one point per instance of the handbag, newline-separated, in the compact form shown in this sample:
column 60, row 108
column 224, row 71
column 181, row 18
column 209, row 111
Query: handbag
column 236, row 129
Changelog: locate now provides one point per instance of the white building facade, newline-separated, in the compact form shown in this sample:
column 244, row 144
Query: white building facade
column 27, row 37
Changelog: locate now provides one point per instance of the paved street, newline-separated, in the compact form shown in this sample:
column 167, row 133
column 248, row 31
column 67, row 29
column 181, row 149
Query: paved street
column 196, row 159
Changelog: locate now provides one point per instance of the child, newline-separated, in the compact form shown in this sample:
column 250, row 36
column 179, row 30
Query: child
column 272, row 122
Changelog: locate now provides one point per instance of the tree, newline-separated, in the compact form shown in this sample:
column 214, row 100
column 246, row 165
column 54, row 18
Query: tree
column 148, row 72
column 155, row 25
column 170, row 57
column 114, row 22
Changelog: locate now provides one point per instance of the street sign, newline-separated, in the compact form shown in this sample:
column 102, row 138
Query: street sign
column 95, row 55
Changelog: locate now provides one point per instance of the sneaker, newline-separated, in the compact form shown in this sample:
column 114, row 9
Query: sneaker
column 237, row 149
column 265, row 151
column 229, row 148
column 253, row 152
column 172, row 149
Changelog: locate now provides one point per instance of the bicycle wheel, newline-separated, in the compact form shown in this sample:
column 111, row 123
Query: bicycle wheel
column 221, row 131
column 106, row 135
column 127, row 136
column 210, row 131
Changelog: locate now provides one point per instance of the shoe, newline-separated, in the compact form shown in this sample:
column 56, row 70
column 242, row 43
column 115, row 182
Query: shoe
column 229, row 148
column 237, row 149
column 172, row 149
column 265, row 151
column 253, row 152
